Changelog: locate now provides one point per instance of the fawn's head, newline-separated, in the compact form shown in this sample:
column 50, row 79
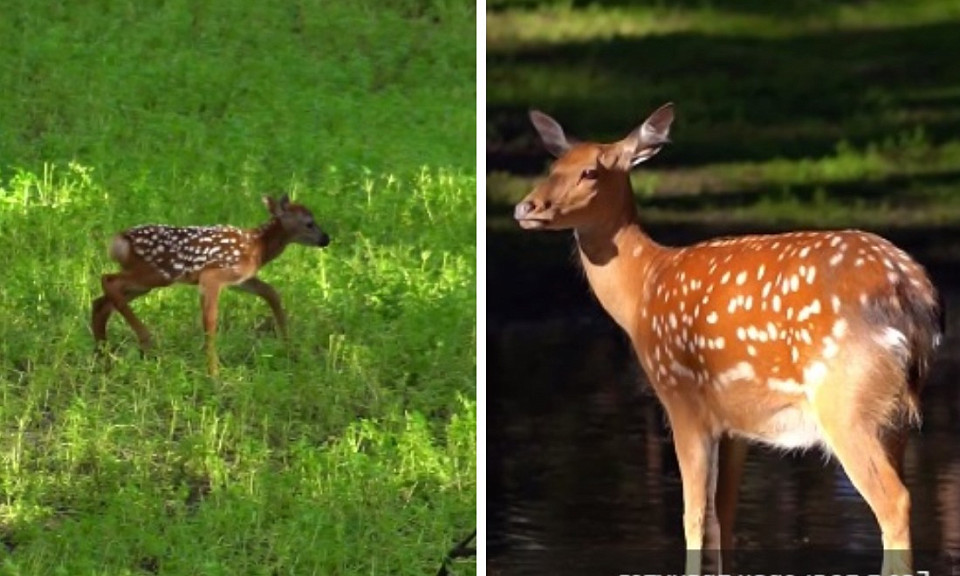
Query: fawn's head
column 296, row 221
column 582, row 183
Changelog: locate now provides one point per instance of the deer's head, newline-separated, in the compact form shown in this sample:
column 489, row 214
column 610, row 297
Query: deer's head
column 297, row 222
column 589, row 181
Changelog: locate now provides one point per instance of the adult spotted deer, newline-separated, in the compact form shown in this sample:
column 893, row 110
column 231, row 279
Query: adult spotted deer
column 211, row 257
column 800, row 340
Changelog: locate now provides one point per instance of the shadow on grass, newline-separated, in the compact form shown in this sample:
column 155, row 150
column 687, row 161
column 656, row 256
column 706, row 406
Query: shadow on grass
column 738, row 98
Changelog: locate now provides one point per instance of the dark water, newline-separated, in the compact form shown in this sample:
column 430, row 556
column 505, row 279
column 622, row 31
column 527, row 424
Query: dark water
column 582, row 478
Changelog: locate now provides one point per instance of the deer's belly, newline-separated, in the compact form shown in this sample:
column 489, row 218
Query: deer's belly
column 791, row 427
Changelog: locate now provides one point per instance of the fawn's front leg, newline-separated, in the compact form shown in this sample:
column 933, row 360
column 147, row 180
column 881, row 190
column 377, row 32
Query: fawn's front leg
column 266, row 291
column 210, row 286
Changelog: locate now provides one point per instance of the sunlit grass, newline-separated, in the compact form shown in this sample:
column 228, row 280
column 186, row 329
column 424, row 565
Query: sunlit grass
column 512, row 25
column 348, row 450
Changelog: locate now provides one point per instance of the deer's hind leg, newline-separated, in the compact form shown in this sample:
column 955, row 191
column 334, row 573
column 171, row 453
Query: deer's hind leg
column 102, row 309
column 118, row 291
column 859, row 415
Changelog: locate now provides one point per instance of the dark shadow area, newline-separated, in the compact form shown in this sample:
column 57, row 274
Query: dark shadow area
column 738, row 98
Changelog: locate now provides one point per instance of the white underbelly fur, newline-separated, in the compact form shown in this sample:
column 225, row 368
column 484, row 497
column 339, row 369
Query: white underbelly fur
column 790, row 428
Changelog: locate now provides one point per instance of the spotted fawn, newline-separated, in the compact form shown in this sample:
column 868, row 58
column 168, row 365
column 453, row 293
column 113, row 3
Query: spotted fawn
column 211, row 257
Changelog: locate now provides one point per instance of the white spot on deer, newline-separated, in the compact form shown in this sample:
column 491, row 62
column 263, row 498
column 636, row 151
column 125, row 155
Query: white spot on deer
column 681, row 370
column 772, row 330
column 712, row 318
column 893, row 339
column 741, row 333
column 811, row 274
column 742, row 371
column 725, row 278
column 637, row 251
column 785, row 385
column 839, row 328
column 766, row 289
column 748, row 303
column 794, row 283
column 835, row 302
column 814, row 374
column 776, row 303
column 751, row 350
column 760, row 271
column 836, row 259
column 741, row 278
column 830, row 347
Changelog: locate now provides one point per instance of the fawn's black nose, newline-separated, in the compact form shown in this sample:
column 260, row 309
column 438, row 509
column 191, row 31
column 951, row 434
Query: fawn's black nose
column 323, row 241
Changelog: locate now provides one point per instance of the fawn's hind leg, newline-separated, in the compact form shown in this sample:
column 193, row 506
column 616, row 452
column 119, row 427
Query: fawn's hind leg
column 118, row 292
column 102, row 309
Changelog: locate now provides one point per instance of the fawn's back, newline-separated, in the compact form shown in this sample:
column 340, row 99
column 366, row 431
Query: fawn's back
column 180, row 253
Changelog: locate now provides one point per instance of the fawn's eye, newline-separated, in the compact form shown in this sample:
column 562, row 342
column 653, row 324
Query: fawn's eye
column 588, row 174
column 311, row 224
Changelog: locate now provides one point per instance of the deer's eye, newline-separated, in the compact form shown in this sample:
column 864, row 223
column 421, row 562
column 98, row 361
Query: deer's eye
column 588, row 174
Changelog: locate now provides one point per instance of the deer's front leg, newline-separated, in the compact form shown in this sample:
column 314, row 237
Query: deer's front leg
column 697, row 455
column 266, row 291
column 210, row 286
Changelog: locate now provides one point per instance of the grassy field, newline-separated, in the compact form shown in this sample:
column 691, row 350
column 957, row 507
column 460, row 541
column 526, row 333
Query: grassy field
column 350, row 450
column 809, row 113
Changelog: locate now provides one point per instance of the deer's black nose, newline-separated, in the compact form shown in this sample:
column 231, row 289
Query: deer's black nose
column 323, row 241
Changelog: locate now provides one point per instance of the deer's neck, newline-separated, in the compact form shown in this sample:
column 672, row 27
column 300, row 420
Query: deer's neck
column 271, row 239
column 618, row 259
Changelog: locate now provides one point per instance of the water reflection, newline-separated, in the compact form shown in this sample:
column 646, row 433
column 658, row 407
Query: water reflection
column 583, row 479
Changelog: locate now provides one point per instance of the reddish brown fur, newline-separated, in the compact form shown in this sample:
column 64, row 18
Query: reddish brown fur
column 211, row 257
column 798, row 340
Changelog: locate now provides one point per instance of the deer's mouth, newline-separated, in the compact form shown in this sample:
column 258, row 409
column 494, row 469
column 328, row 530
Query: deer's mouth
column 532, row 217
column 533, row 223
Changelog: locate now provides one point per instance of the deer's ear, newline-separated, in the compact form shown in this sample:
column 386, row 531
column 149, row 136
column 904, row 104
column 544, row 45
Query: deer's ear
column 551, row 133
column 275, row 207
column 644, row 142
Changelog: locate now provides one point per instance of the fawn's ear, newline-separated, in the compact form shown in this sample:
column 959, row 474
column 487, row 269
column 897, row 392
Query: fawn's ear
column 276, row 207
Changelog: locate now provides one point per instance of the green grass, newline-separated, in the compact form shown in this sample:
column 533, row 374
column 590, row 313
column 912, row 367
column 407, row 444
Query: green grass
column 349, row 450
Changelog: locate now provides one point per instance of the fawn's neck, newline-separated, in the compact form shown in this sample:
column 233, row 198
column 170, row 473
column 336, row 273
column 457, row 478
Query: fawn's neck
column 271, row 239
column 617, row 257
